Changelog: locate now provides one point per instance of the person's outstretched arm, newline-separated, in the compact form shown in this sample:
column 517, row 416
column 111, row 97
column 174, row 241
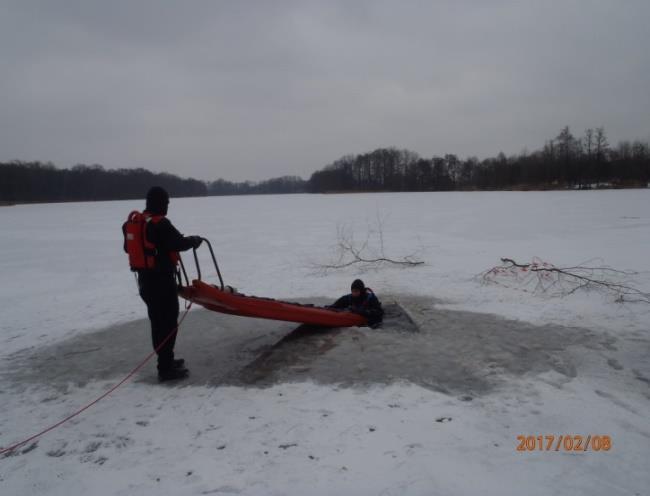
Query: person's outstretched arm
column 170, row 239
column 342, row 302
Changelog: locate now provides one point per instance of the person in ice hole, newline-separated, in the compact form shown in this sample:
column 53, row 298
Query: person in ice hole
column 361, row 300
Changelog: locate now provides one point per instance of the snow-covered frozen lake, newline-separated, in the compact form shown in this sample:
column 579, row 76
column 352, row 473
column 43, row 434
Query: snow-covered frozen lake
column 65, row 278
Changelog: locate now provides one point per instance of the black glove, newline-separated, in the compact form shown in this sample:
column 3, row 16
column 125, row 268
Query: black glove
column 195, row 241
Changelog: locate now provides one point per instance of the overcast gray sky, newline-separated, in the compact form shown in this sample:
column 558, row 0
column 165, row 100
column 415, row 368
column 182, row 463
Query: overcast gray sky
column 257, row 89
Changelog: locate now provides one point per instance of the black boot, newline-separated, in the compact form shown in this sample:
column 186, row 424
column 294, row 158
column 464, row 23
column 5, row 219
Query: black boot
column 179, row 363
column 172, row 374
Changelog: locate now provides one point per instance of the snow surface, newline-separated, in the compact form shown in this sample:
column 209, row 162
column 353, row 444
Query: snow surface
column 64, row 274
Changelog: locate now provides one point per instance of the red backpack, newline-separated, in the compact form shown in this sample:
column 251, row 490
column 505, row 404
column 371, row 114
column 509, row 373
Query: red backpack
column 142, row 253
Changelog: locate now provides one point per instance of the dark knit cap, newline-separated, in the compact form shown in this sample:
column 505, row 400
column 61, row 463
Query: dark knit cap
column 358, row 284
column 157, row 200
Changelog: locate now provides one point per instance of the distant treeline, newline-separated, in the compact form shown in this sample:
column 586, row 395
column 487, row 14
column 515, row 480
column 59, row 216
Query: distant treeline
column 563, row 162
column 43, row 182
column 278, row 185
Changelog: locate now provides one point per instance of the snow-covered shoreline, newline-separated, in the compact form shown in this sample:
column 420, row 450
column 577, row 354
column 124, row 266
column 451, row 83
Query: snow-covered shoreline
column 64, row 271
column 65, row 277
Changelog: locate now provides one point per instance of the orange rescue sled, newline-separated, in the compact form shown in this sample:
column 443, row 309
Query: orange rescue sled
column 223, row 299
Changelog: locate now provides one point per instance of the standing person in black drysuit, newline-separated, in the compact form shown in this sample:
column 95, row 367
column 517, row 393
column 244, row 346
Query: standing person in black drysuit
column 158, row 287
column 362, row 300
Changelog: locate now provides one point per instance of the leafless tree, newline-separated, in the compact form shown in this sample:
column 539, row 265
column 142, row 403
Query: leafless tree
column 369, row 253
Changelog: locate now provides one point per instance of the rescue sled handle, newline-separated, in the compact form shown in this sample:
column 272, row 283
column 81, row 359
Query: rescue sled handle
column 214, row 260
column 198, row 266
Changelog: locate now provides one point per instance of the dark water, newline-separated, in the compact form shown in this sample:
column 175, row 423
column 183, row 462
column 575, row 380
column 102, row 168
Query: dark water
column 449, row 351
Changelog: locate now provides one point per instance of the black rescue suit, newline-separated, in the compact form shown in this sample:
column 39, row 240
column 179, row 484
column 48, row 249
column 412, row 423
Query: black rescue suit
column 367, row 304
column 158, row 287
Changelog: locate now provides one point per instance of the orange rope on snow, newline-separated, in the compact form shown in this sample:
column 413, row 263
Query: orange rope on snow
column 104, row 395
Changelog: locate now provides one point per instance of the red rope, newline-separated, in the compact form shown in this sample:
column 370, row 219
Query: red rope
column 97, row 400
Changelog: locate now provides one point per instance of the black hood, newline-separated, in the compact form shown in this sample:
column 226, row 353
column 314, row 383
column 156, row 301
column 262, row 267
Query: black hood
column 358, row 284
column 157, row 200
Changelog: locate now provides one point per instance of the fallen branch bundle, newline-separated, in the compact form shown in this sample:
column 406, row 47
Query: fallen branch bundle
column 544, row 278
